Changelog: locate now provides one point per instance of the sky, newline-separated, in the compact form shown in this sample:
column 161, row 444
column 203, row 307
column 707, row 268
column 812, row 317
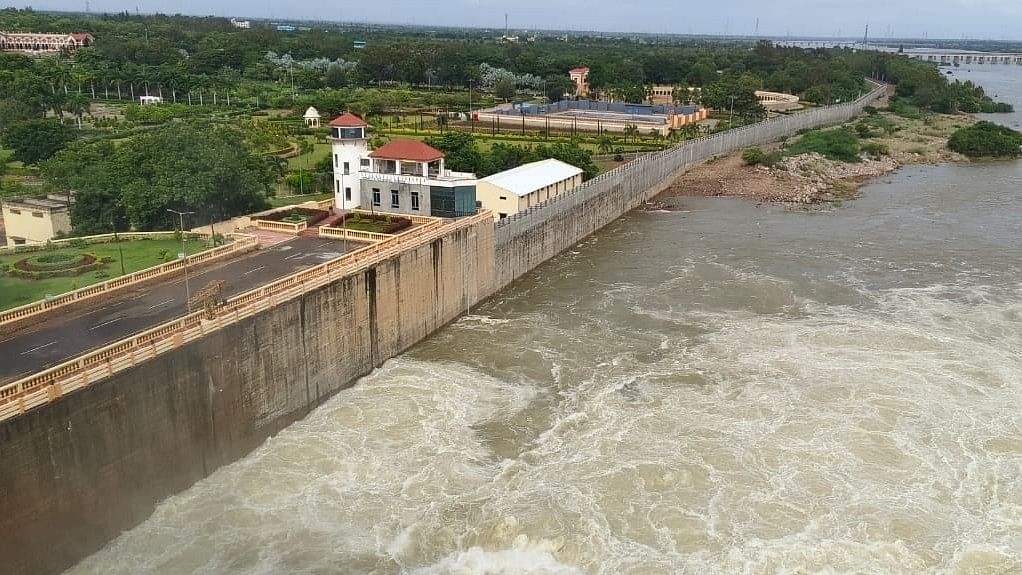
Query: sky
column 986, row 19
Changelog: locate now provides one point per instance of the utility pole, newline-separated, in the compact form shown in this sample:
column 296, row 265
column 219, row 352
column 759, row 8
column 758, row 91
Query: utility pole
column 471, row 121
column 184, row 255
column 120, row 250
column 731, row 116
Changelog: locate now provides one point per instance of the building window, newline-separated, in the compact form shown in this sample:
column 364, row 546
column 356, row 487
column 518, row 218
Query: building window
column 502, row 215
column 415, row 201
column 364, row 162
column 395, row 199
column 347, row 169
column 19, row 241
column 336, row 160
column 347, row 194
column 15, row 212
column 503, row 197
column 37, row 214
column 337, row 186
column 376, row 197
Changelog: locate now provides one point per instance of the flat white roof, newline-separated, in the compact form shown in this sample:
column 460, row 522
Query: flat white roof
column 528, row 178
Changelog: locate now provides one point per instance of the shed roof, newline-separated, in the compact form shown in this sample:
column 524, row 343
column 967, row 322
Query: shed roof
column 348, row 120
column 528, row 178
column 410, row 150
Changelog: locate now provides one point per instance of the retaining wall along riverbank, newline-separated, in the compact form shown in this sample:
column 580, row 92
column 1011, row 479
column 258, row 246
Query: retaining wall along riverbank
column 79, row 469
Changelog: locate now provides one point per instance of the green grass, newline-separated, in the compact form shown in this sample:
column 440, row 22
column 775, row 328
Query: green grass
column 138, row 255
column 307, row 161
column 841, row 144
column 294, row 200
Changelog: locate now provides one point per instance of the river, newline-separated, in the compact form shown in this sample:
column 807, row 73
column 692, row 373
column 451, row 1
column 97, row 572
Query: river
column 730, row 388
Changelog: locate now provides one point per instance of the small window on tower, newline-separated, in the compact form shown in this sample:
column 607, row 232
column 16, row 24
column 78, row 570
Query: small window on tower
column 347, row 169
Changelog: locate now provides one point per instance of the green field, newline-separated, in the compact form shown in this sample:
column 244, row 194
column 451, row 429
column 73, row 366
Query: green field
column 307, row 161
column 138, row 255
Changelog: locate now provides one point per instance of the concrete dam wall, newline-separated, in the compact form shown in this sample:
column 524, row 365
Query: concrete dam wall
column 77, row 471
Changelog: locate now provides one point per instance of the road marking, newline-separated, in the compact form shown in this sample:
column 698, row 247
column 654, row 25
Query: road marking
column 99, row 325
column 38, row 348
column 161, row 303
column 294, row 256
column 253, row 271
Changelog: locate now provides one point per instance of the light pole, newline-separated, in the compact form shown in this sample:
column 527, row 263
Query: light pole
column 731, row 116
column 184, row 255
column 471, row 122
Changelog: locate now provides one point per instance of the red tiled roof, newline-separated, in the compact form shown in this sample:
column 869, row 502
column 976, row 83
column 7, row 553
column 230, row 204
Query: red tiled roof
column 81, row 37
column 411, row 150
column 348, row 120
column 578, row 71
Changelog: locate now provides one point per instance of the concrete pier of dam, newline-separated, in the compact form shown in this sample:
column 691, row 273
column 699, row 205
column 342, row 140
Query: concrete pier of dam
column 82, row 467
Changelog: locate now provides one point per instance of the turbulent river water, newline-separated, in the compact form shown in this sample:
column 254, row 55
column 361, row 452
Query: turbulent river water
column 732, row 388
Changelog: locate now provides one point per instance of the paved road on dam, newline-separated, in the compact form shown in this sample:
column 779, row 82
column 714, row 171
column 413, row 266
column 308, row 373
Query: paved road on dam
column 70, row 334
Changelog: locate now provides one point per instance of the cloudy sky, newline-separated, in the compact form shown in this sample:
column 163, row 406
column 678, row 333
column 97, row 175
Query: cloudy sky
column 993, row 19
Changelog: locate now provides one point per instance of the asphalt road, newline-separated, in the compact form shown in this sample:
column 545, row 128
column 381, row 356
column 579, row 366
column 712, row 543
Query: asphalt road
column 66, row 335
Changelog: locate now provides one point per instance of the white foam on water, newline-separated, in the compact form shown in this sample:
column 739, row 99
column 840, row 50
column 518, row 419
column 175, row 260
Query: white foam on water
column 878, row 438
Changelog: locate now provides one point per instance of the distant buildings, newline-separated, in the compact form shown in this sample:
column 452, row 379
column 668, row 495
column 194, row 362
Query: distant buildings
column 581, row 78
column 245, row 24
column 285, row 28
column 38, row 43
column 150, row 100
column 660, row 95
column 518, row 189
column 402, row 176
column 358, row 44
column 36, row 219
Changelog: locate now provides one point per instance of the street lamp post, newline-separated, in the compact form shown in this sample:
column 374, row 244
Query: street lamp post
column 471, row 122
column 731, row 116
column 184, row 255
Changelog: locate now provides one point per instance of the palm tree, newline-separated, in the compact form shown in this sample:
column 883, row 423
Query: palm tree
column 631, row 131
column 78, row 104
column 605, row 144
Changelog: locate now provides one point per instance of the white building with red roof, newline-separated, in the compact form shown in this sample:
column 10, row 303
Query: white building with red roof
column 35, row 43
column 580, row 76
column 401, row 176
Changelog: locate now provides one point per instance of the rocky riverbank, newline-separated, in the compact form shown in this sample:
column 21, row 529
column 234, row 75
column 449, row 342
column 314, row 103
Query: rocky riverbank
column 812, row 178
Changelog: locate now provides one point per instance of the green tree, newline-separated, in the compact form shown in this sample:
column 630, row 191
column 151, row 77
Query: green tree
column 557, row 87
column 36, row 140
column 504, row 89
column 208, row 169
column 986, row 140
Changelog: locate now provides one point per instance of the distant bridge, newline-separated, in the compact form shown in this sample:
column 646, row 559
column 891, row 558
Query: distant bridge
column 934, row 55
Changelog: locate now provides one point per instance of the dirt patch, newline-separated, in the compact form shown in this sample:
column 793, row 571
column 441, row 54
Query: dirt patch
column 811, row 178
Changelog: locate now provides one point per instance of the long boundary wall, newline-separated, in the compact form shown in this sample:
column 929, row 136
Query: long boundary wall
column 77, row 469
column 529, row 238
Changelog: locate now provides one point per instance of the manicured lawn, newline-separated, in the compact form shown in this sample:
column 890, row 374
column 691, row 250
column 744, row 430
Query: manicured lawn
column 293, row 200
column 138, row 255
column 308, row 161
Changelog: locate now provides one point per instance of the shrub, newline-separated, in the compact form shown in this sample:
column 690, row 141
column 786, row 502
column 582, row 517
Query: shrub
column 986, row 140
column 876, row 149
column 839, row 144
column 619, row 158
column 753, row 156
column 771, row 159
column 78, row 243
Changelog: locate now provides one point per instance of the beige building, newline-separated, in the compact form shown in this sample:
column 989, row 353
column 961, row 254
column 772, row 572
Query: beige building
column 518, row 189
column 35, row 220
column 580, row 76
column 33, row 42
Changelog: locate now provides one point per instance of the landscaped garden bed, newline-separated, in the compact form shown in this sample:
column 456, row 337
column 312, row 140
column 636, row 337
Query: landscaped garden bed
column 310, row 216
column 31, row 276
column 376, row 223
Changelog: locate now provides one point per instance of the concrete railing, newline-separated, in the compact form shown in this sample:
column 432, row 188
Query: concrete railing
column 356, row 235
column 46, row 386
column 240, row 243
column 97, row 239
column 418, row 220
column 293, row 228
